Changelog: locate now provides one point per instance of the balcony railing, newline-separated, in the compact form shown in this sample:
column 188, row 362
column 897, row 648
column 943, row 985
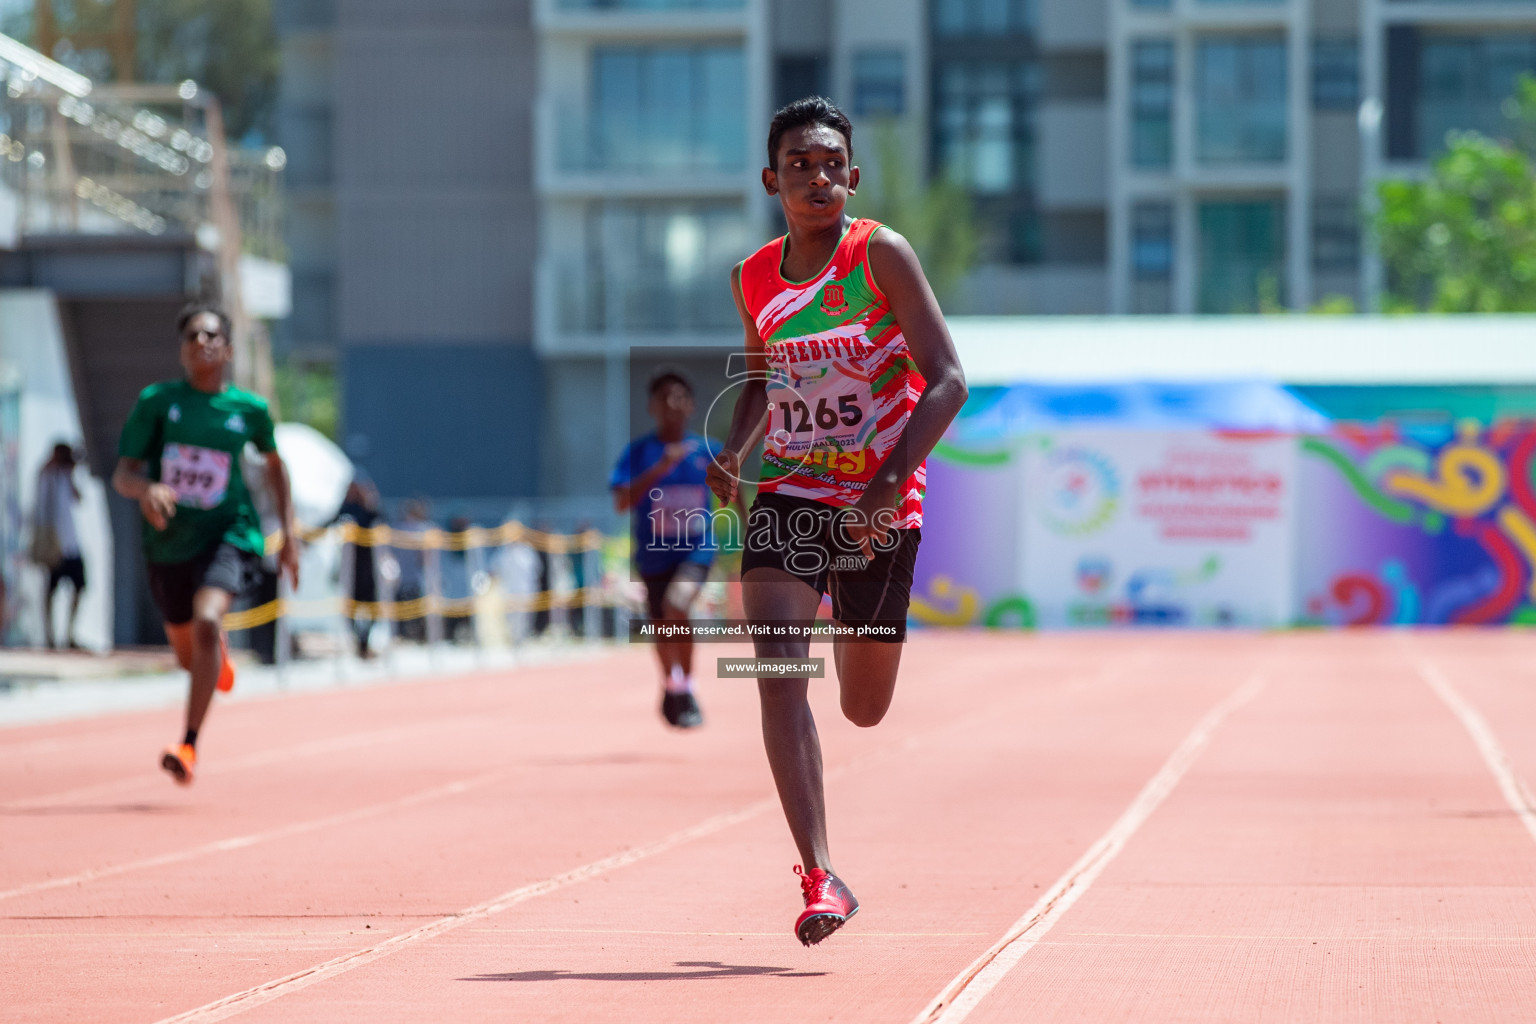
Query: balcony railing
column 644, row 301
column 672, row 142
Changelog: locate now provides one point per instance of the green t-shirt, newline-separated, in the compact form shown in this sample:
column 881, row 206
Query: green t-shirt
column 192, row 441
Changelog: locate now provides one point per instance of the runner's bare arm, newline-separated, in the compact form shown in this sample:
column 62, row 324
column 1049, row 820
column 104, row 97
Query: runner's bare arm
column 156, row 500
column 751, row 416
column 282, row 493
column 900, row 276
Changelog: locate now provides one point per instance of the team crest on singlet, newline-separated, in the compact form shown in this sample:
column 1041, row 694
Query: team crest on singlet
column 832, row 300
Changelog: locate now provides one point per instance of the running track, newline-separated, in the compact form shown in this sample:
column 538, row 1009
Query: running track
column 1168, row 827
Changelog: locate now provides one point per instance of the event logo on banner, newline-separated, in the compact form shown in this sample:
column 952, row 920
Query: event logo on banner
column 1159, row 528
column 1079, row 492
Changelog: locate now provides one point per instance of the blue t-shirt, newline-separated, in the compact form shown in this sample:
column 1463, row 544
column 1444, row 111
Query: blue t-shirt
column 671, row 518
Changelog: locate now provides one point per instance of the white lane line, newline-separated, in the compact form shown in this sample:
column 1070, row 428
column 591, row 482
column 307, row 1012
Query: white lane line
column 255, row 838
column 1510, row 784
column 258, row 995
column 251, row 998
column 966, row 991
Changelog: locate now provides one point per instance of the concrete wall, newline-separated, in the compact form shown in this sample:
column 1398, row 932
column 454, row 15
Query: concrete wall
column 435, row 244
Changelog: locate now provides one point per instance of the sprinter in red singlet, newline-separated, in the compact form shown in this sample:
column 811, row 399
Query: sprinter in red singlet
column 852, row 381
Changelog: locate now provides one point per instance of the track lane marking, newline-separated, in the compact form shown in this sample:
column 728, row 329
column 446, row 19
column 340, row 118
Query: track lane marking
column 240, row 1002
column 258, row 995
column 1514, row 789
column 256, row 838
column 967, row 989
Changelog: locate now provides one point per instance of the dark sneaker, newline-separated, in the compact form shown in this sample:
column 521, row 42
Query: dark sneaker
column 828, row 905
column 681, row 711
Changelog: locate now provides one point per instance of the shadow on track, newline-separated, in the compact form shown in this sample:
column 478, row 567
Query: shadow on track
column 711, row 969
column 92, row 809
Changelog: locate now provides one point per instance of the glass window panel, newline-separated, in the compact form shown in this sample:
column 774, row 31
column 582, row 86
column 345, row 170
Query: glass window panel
column 983, row 17
column 1335, row 74
column 1240, row 95
column 1152, row 241
column 984, row 127
column 879, row 82
column 1463, row 82
column 1242, row 255
column 1152, row 103
column 663, row 108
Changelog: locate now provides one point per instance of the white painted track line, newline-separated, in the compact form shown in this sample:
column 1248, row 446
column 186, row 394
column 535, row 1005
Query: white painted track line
column 966, row 991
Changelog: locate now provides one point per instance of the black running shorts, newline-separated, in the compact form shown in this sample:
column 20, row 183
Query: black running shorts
column 656, row 584
column 805, row 539
column 223, row 566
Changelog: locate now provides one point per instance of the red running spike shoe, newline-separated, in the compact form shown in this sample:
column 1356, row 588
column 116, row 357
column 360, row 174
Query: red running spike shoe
column 828, row 905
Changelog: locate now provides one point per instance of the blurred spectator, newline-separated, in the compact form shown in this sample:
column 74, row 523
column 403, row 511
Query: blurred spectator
column 362, row 508
column 411, row 555
column 55, row 542
column 458, row 618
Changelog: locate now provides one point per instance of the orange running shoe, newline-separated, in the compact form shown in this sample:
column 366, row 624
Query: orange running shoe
column 178, row 760
column 226, row 666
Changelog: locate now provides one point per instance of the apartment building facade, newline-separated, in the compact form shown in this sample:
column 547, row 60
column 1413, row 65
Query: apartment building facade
column 567, row 205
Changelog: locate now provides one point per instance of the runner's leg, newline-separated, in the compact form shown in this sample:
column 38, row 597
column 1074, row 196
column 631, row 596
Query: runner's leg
column 789, row 730
column 209, row 606
column 866, row 676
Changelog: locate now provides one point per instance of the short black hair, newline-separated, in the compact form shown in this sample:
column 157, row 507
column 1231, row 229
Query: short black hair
column 668, row 375
column 811, row 110
column 197, row 308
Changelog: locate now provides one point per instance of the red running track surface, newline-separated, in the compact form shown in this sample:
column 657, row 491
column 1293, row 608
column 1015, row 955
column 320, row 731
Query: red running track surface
column 1225, row 827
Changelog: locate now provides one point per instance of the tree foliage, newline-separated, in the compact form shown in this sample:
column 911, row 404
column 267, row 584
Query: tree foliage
column 934, row 216
column 227, row 46
column 1464, row 240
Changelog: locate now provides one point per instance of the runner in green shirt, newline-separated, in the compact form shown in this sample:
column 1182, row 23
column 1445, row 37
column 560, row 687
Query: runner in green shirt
column 179, row 458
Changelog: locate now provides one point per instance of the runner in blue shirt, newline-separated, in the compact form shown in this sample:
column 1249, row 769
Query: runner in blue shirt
column 661, row 478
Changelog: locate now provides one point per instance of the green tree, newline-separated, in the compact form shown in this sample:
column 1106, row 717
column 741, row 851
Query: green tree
column 1464, row 240
column 226, row 46
column 935, row 216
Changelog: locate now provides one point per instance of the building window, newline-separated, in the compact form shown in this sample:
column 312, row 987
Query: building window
column 663, row 108
column 800, row 76
column 879, row 83
column 1335, row 74
column 984, row 124
column 1152, row 103
column 1463, row 83
column 1152, row 257
column 652, row 266
column 984, row 138
column 1242, row 256
column 983, row 17
column 1240, row 94
column 1335, row 234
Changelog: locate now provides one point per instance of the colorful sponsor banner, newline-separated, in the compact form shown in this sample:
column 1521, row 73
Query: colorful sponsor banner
column 1407, row 524
column 1085, row 528
column 1186, row 528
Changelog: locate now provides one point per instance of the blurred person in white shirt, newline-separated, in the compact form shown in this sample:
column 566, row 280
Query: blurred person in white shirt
column 56, row 541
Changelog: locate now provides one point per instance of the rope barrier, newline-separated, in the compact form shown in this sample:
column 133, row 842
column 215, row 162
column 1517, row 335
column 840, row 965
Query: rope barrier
column 415, row 608
column 430, row 539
